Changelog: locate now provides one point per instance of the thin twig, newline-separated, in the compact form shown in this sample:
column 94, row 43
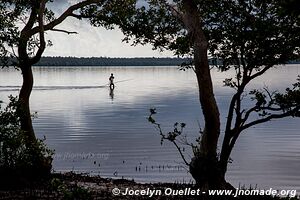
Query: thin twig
column 64, row 31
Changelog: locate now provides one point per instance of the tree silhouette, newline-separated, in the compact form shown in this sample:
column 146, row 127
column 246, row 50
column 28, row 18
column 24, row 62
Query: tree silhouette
column 249, row 37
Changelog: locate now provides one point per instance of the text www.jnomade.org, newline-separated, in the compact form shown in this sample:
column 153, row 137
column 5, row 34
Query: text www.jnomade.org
column 150, row 192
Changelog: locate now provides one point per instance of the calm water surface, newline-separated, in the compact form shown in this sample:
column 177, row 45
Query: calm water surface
column 95, row 131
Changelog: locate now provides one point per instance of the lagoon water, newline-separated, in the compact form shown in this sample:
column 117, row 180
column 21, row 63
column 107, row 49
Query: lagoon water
column 102, row 133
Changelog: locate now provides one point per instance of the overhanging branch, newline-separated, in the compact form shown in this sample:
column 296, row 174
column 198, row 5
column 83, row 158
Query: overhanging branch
column 64, row 31
column 67, row 13
column 80, row 17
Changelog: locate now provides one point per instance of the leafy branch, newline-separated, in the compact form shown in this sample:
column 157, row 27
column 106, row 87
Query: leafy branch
column 172, row 135
column 273, row 105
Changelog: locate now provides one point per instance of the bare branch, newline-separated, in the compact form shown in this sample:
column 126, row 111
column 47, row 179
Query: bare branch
column 257, row 108
column 80, row 17
column 269, row 94
column 64, row 31
column 270, row 117
column 76, row 16
column 23, row 20
column 247, row 114
column 238, row 130
column 67, row 13
column 261, row 72
column 30, row 22
column 164, row 137
column 180, row 152
column 173, row 141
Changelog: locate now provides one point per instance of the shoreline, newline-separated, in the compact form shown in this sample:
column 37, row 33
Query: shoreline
column 82, row 186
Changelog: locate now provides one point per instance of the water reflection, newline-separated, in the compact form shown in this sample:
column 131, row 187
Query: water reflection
column 92, row 134
column 111, row 92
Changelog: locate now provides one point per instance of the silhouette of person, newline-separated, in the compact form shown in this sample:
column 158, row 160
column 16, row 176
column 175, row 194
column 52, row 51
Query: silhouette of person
column 111, row 81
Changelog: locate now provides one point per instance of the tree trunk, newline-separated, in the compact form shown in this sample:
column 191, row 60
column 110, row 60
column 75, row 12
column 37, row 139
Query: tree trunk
column 25, row 114
column 204, row 167
column 207, row 173
column 226, row 150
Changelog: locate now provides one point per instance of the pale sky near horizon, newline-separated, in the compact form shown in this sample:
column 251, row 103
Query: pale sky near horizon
column 92, row 41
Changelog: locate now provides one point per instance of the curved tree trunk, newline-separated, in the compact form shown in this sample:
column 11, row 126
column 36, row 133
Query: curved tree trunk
column 25, row 114
column 204, row 167
column 25, row 64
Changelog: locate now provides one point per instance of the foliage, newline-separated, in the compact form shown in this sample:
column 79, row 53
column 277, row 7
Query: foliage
column 291, row 6
column 248, row 37
column 8, row 32
column 251, row 33
column 24, row 24
column 14, row 15
column 23, row 41
column 15, row 156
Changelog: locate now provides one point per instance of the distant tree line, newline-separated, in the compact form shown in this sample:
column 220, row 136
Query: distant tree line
column 106, row 61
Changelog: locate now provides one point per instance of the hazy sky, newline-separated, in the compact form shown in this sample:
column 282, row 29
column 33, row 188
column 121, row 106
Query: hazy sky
column 92, row 41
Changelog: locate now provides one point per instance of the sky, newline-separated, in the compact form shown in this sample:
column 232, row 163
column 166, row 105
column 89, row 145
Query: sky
column 92, row 41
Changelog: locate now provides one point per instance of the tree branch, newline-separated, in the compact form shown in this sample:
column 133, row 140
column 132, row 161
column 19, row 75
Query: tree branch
column 164, row 137
column 67, row 13
column 233, row 140
column 30, row 22
column 76, row 16
column 270, row 117
column 247, row 114
column 259, row 121
column 64, row 31
column 180, row 152
column 80, row 17
column 25, row 34
column 269, row 94
column 261, row 72
column 173, row 141
column 42, row 45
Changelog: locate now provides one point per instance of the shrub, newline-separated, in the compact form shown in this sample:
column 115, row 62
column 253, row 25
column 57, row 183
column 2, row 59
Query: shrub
column 17, row 160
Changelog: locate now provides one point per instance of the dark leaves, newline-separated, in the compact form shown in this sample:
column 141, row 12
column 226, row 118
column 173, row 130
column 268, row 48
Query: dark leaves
column 259, row 97
column 287, row 102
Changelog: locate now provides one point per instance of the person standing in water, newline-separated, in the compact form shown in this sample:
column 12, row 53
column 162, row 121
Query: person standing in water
column 111, row 81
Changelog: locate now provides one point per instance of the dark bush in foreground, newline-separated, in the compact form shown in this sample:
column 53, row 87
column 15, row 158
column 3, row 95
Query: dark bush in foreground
column 19, row 163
